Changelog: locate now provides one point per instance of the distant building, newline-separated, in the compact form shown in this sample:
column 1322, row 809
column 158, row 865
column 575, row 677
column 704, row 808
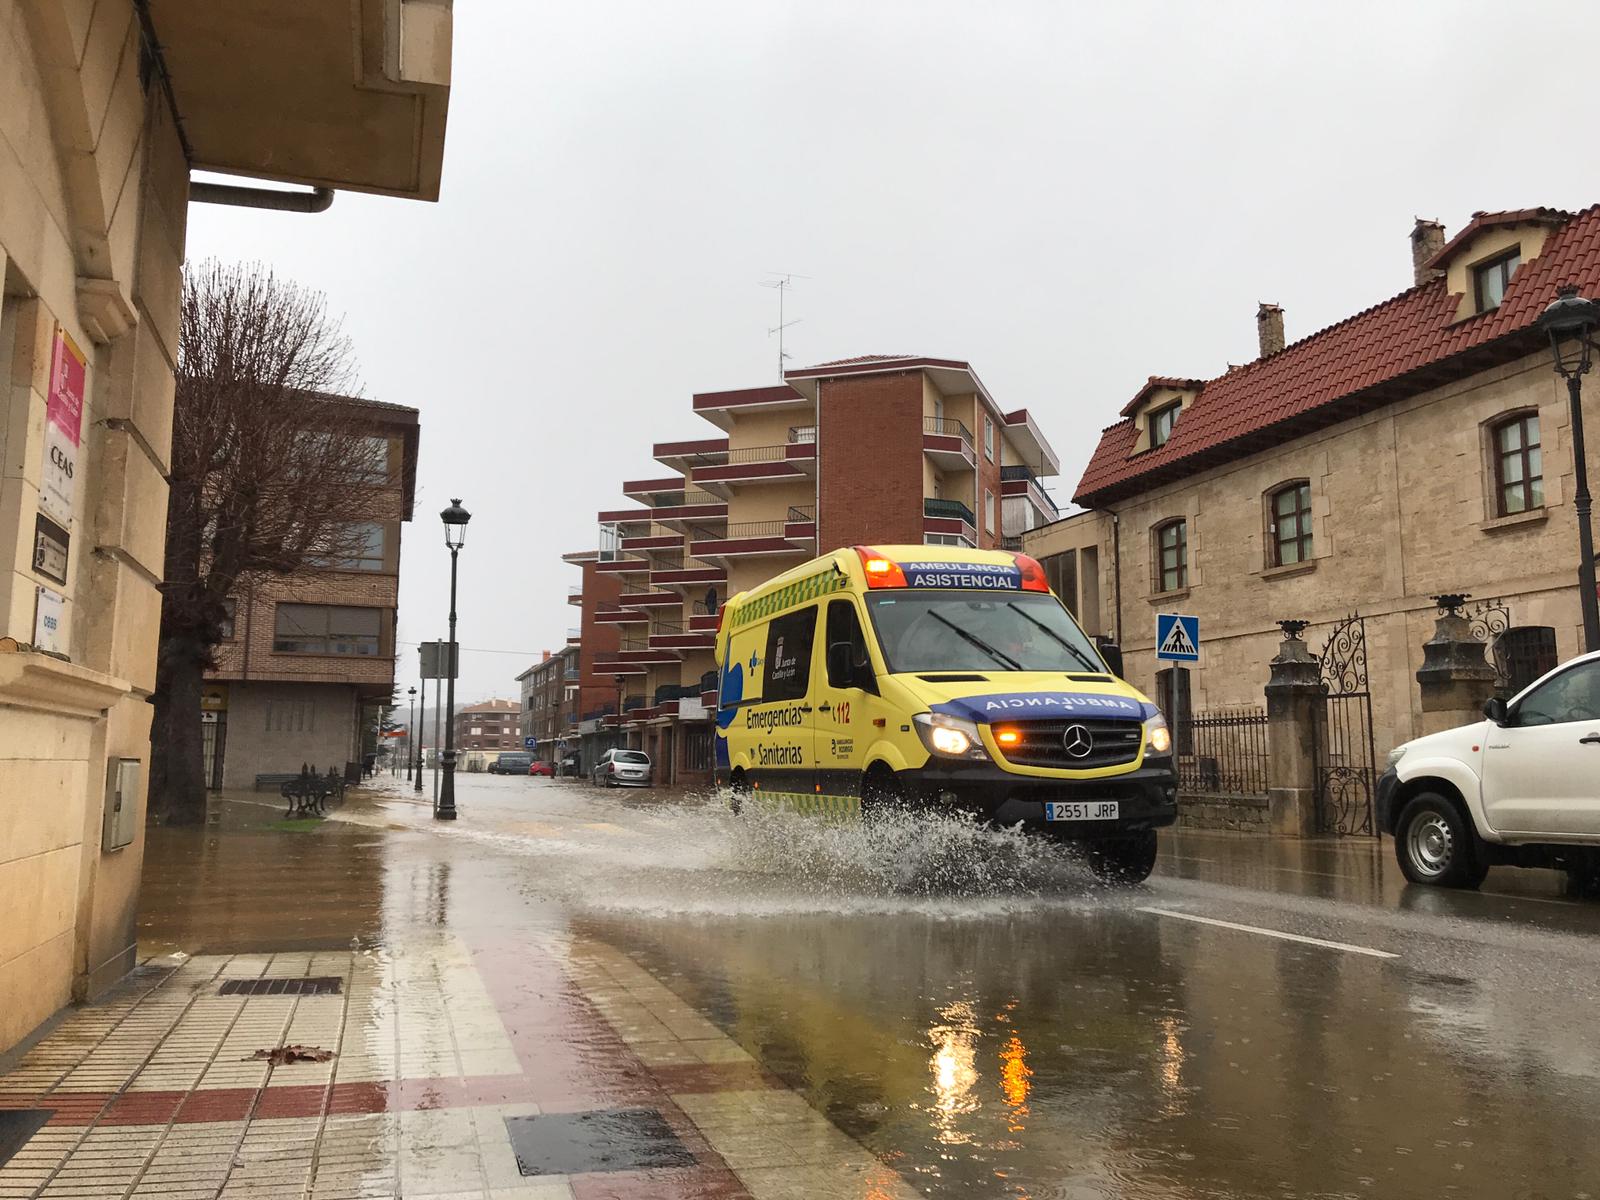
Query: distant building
column 491, row 725
column 310, row 659
column 550, row 694
column 886, row 449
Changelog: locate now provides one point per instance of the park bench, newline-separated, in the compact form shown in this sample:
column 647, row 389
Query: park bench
column 308, row 792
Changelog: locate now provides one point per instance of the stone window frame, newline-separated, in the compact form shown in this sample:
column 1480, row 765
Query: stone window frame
column 1157, row 565
column 1272, row 560
column 1494, row 466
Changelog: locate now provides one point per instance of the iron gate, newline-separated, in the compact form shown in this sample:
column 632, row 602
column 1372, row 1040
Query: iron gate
column 1347, row 771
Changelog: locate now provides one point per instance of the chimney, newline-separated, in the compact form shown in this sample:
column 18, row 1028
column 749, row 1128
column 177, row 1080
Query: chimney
column 1427, row 239
column 546, row 657
column 1269, row 328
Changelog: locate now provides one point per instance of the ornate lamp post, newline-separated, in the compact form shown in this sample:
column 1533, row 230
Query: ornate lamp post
column 1570, row 323
column 455, row 520
column 411, row 730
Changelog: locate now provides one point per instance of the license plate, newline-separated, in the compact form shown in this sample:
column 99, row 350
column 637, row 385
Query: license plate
column 1081, row 810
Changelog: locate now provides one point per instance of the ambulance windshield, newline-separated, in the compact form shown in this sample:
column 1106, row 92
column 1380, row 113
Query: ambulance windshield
column 979, row 631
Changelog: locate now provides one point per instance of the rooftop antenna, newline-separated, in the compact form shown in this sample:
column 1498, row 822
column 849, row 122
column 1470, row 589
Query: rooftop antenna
column 783, row 281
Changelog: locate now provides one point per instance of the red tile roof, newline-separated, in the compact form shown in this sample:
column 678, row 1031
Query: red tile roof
column 1490, row 220
column 1404, row 345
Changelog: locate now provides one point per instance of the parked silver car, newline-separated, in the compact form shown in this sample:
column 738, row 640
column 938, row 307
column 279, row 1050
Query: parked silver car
column 623, row 768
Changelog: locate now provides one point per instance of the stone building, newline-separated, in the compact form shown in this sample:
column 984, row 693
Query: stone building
column 309, row 659
column 105, row 108
column 1419, row 447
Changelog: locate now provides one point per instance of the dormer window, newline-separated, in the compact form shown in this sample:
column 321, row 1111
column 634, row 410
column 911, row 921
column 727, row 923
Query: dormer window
column 1161, row 422
column 1489, row 281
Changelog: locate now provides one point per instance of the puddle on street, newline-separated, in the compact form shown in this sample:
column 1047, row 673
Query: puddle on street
column 968, row 1003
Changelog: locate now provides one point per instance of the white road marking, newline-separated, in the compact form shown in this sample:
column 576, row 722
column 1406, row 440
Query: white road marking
column 1273, row 933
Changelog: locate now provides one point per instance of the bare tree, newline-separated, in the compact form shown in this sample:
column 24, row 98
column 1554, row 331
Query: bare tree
column 267, row 468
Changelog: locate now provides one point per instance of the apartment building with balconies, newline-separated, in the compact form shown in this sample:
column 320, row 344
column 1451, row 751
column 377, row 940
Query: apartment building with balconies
column 878, row 449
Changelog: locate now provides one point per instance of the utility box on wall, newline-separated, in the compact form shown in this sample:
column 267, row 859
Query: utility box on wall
column 122, row 803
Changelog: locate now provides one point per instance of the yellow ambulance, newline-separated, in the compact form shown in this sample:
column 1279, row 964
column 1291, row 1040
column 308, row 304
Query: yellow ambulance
column 939, row 678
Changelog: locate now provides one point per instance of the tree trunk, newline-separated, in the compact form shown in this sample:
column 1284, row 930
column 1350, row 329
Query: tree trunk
column 177, row 758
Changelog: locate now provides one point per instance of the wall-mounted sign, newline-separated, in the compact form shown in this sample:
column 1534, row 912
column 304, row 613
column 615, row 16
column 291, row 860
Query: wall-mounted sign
column 214, row 700
column 49, row 621
column 63, row 428
column 50, row 543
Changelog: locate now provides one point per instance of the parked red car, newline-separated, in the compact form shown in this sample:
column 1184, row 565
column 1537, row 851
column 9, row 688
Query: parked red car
column 541, row 768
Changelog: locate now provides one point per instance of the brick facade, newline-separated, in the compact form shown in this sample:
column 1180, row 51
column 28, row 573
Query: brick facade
column 496, row 723
column 869, row 460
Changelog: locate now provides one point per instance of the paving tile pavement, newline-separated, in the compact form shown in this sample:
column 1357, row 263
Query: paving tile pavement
column 155, row 1091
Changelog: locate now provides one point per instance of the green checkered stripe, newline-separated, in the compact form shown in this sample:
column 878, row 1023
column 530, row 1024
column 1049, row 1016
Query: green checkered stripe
column 823, row 583
column 829, row 808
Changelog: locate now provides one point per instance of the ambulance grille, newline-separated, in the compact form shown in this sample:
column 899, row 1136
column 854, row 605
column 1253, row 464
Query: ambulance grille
column 1115, row 743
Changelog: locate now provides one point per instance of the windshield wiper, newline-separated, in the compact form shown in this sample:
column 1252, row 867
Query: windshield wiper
column 1098, row 669
column 1004, row 660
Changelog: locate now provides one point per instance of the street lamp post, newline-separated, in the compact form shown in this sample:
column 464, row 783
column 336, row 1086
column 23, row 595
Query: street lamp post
column 1570, row 323
column 621, row 682
column 411, row 730
column 455, row 520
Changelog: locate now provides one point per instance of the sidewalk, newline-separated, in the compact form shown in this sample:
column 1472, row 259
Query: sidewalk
column 557, row 1070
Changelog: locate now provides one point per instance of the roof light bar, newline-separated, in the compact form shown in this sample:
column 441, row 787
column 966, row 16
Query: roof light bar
column 1033, row 576
column 881, row 572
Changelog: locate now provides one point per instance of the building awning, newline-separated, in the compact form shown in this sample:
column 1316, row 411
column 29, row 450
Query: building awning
column 349, row 95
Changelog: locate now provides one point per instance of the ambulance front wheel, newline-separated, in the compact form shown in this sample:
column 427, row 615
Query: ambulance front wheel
column 881, row 793
column 739, row 791
column 1123, row 860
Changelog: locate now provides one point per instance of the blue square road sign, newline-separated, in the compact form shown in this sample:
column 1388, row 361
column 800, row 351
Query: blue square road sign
column 1177, row 638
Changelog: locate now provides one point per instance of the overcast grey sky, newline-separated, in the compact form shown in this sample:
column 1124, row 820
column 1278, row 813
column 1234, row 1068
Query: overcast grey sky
column 1069, row 196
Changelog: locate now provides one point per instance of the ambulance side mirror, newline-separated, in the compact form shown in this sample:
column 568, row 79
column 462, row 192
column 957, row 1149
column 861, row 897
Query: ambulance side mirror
column 843, row 671
column 1112, row 653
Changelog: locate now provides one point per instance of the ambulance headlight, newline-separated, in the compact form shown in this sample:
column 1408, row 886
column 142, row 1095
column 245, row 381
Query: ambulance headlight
column 1157, row 736
column 949, row 737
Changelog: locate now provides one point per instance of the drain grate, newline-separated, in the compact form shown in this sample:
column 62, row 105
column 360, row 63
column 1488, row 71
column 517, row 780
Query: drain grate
column 621, row 1139
column 17, row 1126
column 321, row 985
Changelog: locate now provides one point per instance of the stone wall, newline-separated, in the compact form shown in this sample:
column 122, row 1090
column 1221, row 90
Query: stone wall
column 333, row 739
column 1242, row 814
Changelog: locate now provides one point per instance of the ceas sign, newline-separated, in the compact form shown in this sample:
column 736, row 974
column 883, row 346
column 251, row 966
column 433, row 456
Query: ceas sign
column 63, row 427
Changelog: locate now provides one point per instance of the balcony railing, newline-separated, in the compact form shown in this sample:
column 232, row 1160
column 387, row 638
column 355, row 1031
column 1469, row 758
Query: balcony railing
column 946, row 427
column 687, row 498
column 757, row 454
column 767, row 529
column 666, row 625
column 947, row 510
column 1019, row 472
column 677, row 691
column 802, row 435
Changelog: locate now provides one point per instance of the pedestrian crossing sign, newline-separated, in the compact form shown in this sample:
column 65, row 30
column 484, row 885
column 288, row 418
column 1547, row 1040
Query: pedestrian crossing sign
column 1177, row 638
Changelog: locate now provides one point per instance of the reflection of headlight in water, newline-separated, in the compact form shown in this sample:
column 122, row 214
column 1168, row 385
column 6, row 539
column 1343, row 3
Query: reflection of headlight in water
column 954, row 1069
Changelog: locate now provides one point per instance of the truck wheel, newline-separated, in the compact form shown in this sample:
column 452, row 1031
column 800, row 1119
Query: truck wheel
column 739, row 791
column 1434, row 844
column 1123, row 860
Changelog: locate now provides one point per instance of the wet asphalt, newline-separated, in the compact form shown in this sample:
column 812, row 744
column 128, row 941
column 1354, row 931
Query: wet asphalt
column 1260, row 1019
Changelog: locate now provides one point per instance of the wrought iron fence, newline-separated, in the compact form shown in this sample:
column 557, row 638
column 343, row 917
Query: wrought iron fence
column 801, row 514
column 1223, row 751
column 802, row 435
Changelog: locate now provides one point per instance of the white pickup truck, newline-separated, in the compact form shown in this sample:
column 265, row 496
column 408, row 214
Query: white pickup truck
column 1519, row 788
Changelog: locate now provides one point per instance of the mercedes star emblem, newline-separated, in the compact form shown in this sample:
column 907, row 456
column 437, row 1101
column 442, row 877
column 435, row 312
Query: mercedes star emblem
column 1077, row 741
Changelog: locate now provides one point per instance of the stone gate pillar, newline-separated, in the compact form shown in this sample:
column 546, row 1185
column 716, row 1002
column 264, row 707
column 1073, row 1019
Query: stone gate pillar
column 1295, row 704
column 1455, row 677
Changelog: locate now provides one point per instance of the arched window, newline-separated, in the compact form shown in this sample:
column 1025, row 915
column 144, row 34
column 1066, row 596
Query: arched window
column 1289, row 515
column 1172, row 555
column 1518, row 466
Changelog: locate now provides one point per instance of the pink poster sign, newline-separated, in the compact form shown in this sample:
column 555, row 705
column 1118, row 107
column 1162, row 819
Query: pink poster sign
column 64, row 404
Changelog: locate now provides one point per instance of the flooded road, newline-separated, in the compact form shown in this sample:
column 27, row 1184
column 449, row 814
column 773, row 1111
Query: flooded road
column 1260, row 1020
